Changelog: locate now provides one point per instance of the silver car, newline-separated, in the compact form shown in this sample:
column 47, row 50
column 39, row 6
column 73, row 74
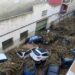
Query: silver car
column 38, row 54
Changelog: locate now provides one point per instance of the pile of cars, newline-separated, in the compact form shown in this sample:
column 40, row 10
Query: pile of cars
column 37, row 54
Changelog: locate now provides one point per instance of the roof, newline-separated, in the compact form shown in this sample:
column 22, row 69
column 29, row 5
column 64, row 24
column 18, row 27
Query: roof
column 2, row 56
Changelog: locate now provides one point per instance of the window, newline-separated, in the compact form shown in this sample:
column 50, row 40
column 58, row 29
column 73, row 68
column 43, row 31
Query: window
column 42, row 50
column 63, row 9
column 44, row 13
column 28, row 52
column 23, row 35
column 45, row 54
column 36, row 52
column 7, row 43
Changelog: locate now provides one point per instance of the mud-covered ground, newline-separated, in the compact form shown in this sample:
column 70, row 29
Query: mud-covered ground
column 64, row 30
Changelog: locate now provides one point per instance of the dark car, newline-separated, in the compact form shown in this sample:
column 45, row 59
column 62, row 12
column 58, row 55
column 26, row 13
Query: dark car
column 66, row 62
column 29, row 71
column 34, row 39
column 53, row 69
column 2, row 73
column 73, row 51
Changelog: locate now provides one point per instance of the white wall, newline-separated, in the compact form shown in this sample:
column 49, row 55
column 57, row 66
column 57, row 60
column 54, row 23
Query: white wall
column 51, row 19
column 18, row 22
column 10, row 8
column 15, row 23
column 16, row 34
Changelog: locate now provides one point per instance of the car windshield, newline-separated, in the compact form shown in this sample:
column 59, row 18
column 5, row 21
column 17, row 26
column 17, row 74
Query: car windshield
column 42, row 50
column 36, row 52
column 45, row 54
column 26, row 53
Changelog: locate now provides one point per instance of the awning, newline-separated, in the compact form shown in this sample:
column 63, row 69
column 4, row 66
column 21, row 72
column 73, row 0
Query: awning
column 55, row 2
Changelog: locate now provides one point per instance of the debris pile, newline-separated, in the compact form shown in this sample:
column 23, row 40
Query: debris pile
column 61, row 39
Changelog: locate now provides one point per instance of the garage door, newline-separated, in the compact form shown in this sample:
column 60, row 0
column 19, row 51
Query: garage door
column 41, row 25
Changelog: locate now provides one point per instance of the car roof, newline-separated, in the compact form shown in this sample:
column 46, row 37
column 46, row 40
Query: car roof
column 35, row 36
column 41, row 50
column 2, row 56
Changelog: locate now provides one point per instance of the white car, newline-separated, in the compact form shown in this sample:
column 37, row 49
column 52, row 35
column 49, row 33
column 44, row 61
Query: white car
column 3, row 57
column 23, row 54
column 38, row 54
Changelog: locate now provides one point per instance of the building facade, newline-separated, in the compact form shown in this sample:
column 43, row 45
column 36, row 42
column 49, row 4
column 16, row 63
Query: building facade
column 26, row 18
